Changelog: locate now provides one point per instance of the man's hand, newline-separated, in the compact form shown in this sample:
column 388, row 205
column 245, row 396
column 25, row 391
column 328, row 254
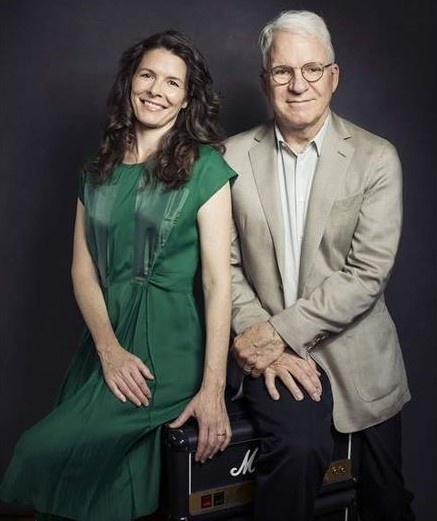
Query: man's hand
column 257, row 347
column 292, row 369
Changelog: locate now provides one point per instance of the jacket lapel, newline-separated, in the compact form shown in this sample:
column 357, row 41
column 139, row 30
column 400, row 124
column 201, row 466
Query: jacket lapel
column 264, row 166
column 334, row 160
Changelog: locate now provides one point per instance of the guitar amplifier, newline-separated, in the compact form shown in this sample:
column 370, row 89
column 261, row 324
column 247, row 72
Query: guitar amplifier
column 224, row 487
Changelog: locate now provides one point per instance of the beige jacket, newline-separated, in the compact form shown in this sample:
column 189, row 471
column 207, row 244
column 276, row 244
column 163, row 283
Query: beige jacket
column 351, row 236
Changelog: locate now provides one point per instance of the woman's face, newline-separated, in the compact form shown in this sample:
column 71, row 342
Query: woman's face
column 159, row 89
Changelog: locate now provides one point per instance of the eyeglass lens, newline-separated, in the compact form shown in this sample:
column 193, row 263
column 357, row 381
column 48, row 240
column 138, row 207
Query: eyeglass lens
column 310, row 71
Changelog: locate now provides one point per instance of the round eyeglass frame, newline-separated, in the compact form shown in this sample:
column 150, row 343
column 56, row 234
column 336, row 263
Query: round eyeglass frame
column 292, row 74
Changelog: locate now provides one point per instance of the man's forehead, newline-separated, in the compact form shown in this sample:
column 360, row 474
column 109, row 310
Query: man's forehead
column 285, row 42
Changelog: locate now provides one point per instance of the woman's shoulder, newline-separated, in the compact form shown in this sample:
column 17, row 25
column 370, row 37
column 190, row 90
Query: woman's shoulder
column 210, row 159
column 208, row 153
column 210, row 172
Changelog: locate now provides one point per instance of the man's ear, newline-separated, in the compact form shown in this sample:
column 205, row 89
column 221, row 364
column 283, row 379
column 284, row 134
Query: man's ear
column 335, row 76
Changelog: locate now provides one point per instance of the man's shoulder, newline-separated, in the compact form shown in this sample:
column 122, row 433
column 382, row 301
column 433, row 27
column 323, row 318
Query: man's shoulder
column 243, row 141
column 359, row 135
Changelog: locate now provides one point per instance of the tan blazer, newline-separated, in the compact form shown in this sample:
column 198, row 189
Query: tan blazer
column 351, row 236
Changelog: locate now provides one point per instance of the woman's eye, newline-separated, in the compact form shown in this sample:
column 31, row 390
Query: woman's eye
column 173, row 83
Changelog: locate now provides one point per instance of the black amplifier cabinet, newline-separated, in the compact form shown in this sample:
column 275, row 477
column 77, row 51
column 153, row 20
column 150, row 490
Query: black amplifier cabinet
column 223, row 488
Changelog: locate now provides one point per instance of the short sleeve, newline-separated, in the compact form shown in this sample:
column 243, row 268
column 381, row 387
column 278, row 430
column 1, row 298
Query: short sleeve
column 212, row 173
column 81, row 188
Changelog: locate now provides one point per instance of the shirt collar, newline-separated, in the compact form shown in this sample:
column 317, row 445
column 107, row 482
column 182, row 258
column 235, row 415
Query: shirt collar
column 316, row 142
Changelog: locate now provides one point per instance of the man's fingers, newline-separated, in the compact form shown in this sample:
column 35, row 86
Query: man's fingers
column 310, row 368
column 269, row 380
column 312, row 388
column 290, row 384
column 303, row 373
column 313, row 365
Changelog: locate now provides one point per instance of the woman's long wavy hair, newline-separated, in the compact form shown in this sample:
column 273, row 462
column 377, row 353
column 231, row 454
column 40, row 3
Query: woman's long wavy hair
column 196, row 124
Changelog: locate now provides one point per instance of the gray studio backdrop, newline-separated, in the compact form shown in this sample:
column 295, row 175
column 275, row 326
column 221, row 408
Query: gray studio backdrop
column 58, row 59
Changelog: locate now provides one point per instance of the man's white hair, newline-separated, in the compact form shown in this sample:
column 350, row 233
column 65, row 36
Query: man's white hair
column 298, row 22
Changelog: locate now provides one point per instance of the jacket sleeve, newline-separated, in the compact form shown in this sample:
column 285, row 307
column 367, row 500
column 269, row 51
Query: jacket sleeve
column 246, row 307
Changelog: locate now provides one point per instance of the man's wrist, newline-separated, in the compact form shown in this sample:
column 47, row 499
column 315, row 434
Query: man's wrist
column 277, row 338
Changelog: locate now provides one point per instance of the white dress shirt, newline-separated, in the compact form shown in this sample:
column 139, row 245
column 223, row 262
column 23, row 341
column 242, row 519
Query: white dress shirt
column 295, row 175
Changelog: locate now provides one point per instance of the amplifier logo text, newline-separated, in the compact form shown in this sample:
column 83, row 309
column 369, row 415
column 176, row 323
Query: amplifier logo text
column 247, row 465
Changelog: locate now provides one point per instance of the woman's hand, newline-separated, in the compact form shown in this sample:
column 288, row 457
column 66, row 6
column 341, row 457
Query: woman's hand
column 215, row 433
column 126, row 375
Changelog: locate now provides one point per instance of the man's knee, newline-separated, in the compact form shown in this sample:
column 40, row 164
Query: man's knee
column 291, row 454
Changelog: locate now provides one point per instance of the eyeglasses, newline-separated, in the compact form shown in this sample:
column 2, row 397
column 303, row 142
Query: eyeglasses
column 283, row 74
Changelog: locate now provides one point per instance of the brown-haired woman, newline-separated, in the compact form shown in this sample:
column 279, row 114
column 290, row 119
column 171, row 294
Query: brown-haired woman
column 154, row 205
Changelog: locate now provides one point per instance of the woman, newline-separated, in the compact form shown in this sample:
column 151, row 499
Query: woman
column 153, row 202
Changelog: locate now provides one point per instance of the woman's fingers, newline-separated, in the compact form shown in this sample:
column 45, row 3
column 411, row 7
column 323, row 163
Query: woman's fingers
column 214, row 431
column 213, row 437
column 116, row 392
column 181, row 419
column 121, row 384
column 144, row 370
column 137, row 388
column 126, row 376
column 224, row 438
column 209, row 444
column 202, row 442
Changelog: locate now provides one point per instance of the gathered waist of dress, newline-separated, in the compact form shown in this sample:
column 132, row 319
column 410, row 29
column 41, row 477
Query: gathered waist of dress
column 167, row 281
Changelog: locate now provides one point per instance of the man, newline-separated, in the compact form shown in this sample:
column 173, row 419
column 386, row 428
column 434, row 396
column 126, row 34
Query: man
column 317, row 210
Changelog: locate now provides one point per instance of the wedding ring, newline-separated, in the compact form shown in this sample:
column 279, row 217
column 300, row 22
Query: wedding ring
column 246, row 371
column 221, row 433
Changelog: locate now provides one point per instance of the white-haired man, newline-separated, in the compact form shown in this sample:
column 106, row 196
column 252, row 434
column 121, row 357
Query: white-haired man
column 317, row 211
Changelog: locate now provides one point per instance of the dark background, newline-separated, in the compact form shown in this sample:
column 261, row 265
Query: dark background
column 57, row 61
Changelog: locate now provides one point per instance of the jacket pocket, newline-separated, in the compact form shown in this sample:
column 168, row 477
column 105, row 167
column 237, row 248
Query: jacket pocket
column 376, row 360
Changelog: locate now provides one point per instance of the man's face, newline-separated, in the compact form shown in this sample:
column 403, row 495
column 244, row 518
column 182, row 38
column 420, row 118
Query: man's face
column 300, row 107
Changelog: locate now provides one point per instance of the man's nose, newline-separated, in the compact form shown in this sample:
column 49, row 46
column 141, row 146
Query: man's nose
column 298, row 83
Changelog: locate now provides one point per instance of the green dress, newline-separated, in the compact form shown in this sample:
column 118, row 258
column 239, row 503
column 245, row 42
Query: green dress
column 95, row 458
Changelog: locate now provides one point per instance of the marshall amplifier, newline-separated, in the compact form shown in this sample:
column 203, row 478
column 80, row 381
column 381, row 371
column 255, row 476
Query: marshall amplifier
column 223, row 487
